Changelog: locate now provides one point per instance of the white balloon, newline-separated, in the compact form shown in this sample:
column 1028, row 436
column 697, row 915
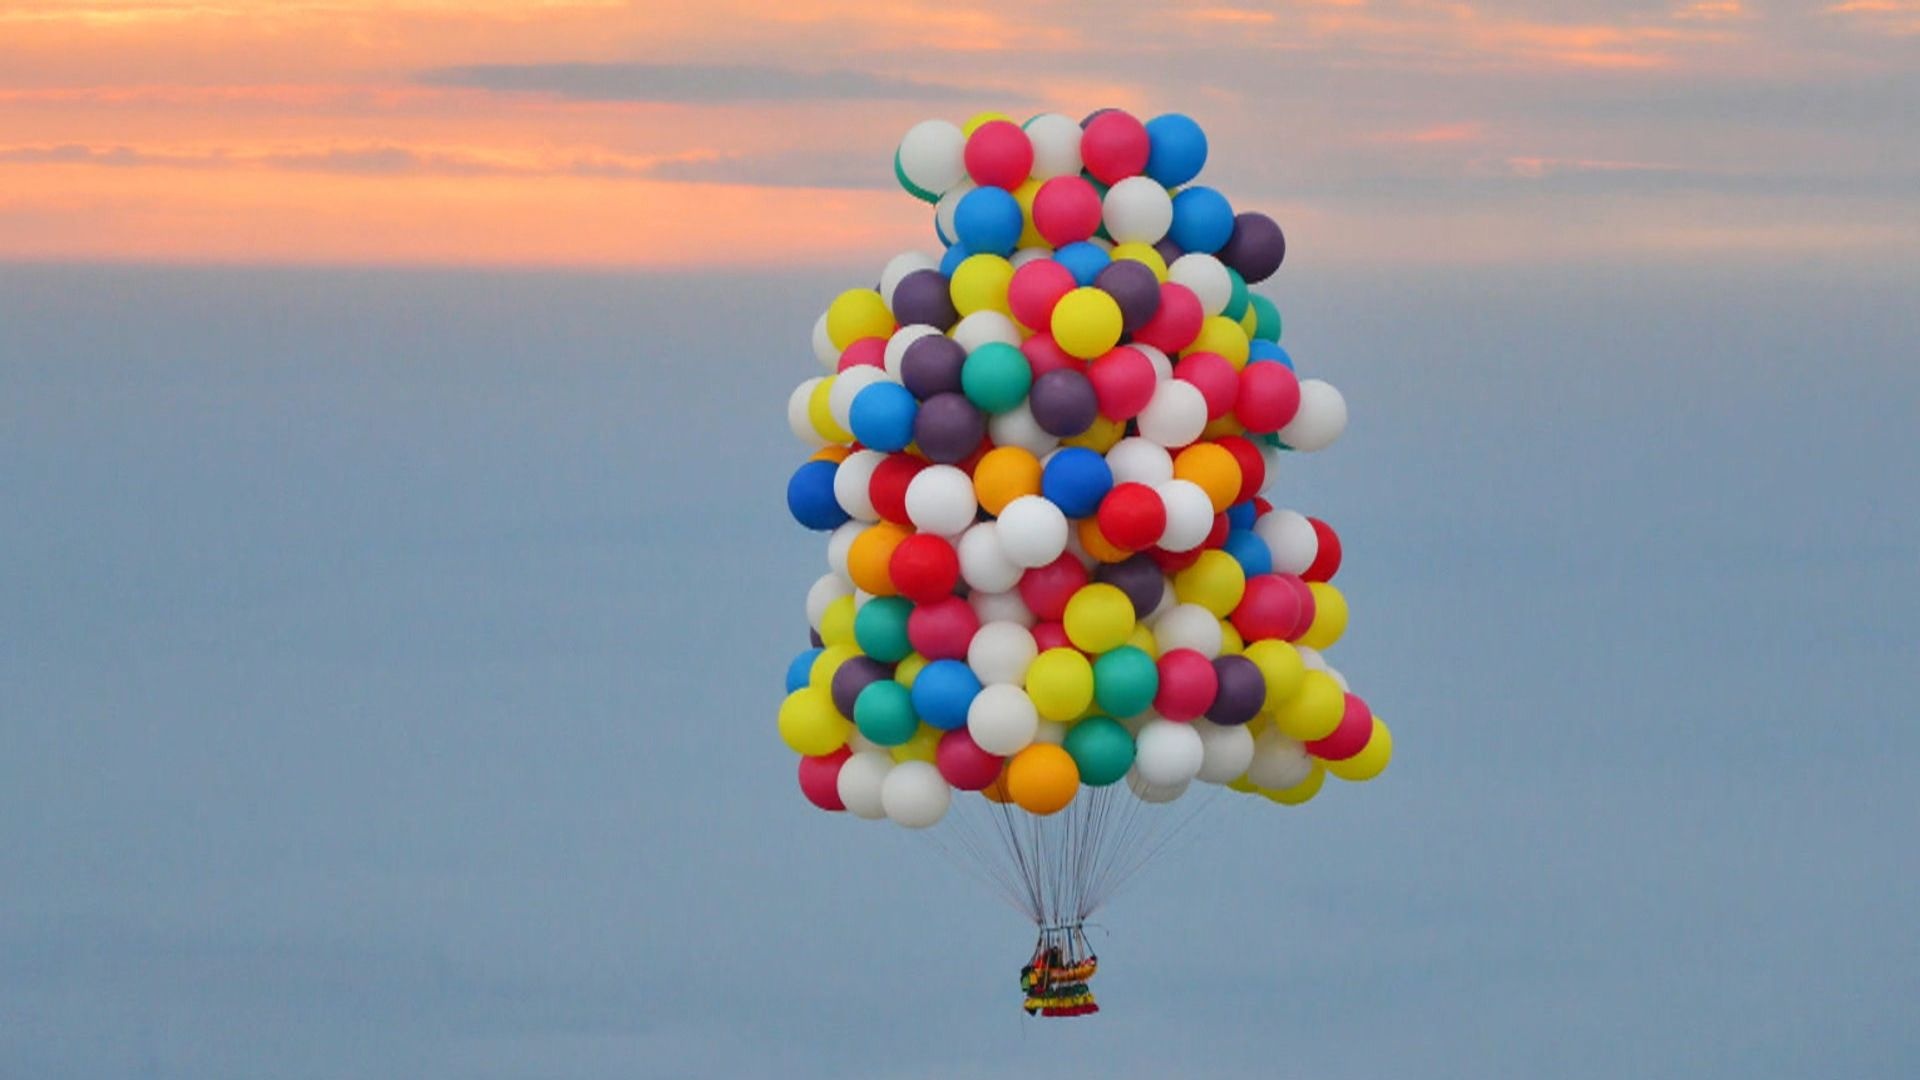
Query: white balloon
column 944, row 209
column 1227, row 751
column 940, row 500
column 860, row 744
column 846, row 386
column 1027, row 255
column 822, row 594
column 1002, row 719
column 1017, row 427
column 860, row 598
column 899, row 267
column 1290, row 538
column 798, row 416
column 1274, row 458
column 1321, row 419
column 853, row 484
column 984, row 326
column 984, row 563
column 1032, row 531
column 1174, row 416
column 1162, row 367
column 1056, row 145
column 915, row 795
column 1002, row 607
column 1188, row 626
column 1168, row 753
column 823, row 349
column 1137, row 210
column 1278, row 762
column 1051, row 732
column 862, row 777
column 1167, row 602
column 1207, row 277
column 1189, row 515
column 1153, row 793
column 1334, row 673
column 1102, row 243
column 1311, row 659
column 1140, row 461
column 841, row 542
column 933, row 155
column 896, row 351
column 1137, row 721
column 1001, row 652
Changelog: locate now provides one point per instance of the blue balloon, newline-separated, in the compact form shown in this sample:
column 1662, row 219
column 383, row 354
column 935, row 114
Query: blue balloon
column 1076, row 479
column 801, row 668
column 1242, row 515
column 988, row 220
column 1251, row 552
column 882, row 417
column 1084, row 260
column 955, row 255
column 810, row 496
column 1177, row 149
column 1202, row 220
column 942, row 692
column 1267, row 350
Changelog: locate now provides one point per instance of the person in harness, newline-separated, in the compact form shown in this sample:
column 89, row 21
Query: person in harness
column 1056, row 984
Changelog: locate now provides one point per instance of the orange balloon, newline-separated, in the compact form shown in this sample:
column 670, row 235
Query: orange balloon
column 1004, row 474
column 835, row 454
column 870, row 554
column 1214, row 468
column 997, row 791
column 1097, row 544
column 1042, row 778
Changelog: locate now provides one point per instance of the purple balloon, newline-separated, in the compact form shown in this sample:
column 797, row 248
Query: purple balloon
column 1132, row 286
column 854, row 676
column 1063, row 402
column 931, row 365
column 1168, row 250
column 814, row 639
column 1242, row 690
column 1255, row 248
column 924, row 296
column 948, row 428
column 1140, row 578
column 1088, row 119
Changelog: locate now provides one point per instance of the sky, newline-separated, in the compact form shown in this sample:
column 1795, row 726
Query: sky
column 396, row 584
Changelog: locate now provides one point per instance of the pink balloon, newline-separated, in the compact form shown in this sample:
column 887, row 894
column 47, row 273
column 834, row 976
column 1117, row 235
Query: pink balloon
column 1123, row 382
column 1051, row 635
column 1356, row 727
column 1115, row 146
column 868, row 351
column 1212, row 375
column 820, row 779
column 1304, row 620
column 1177, row 323
column 1269, row 397
column 1045, row 354
column 1046, row 589
column 999, row 154
column 962, row 762
column 1036, row 287
column 1188, row 685
column 1066, row 210
column 1269, row 610
column 943, row 629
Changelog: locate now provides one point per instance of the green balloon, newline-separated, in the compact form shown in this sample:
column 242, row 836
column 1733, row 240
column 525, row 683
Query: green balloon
column 996, row 377
column 1125, row 681
column 884, row 713
column 1101, row 748
column 1266, row 325
column 1238, row 299
column 880, row 629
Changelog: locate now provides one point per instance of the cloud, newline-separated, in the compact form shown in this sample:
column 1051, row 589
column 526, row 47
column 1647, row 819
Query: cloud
column 693, row 84
column 804, row 169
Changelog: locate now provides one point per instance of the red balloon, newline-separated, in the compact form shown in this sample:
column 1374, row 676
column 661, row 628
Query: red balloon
column 1188, row 685
column 1123, row 382
column 1177, row 323
column 1269, row 610
column 924, row 568
column 1114, row 146
column 1253, row 467
column 1045, row 354
column 1036, row 287
column 1327, row 562
column 999, row 154
column 1216, row 536
column 943, row 629
column 1172, row 562
column 1046, row 589
column 1356, row 727
column 1261, row 504
column 870, row 351
column 1132, row 516
column 820, row 779
column 1066, row 210
column 963, row 764
column 1269, row 397
column 1051, row 635
column 1307, row 607
column 888, row 488
column 1212, row 375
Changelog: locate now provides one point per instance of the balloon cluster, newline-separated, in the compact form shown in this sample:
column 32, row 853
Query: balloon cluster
column 1039, row 460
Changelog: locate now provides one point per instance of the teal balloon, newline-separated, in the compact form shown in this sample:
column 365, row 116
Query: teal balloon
column 884, row 713
column 1101, row 748
column 880, row 629
column 1125, row 681
column 1266, row 318
column 1238, row 299
column 996, row 377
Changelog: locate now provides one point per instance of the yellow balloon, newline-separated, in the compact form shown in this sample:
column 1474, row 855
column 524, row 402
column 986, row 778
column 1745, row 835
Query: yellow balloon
column 978, row 119
column 907, row 670
column 810, row 724
column 1060, row 682
column 1101, row 436
column 980, row 284
column 1329, row 616
column 856, row 314
column 1215, row 581
column 828, row 662
column 821, row 416
column 1223, row 427
column 923, row 746
column 1029, row 236
column 836, row 623
column 1142, row 639
column 1242, row 784
column 1231, row 643
column 1099, row 618
column 1259, row 724
column 1315, row 711
column 1302, row 791
column 1283, row 668
column 1086, row 323
column 1143, row 254
column 1371, row 759
column 1250, row 321
column 1219, row 334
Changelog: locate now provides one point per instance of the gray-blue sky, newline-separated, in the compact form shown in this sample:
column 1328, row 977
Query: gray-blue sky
column 388, row 662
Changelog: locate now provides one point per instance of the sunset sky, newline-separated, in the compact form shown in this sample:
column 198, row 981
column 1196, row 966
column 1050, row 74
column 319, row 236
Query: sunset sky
column 669, row 133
